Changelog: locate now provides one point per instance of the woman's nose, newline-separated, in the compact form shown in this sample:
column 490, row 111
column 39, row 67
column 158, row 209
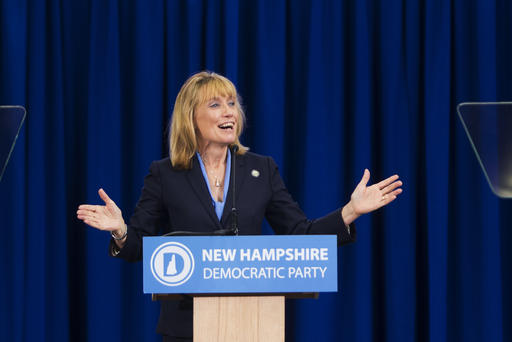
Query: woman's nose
column 229, row 110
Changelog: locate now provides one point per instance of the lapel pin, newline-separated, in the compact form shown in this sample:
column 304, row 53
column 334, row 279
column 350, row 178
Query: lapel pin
column 255, row 173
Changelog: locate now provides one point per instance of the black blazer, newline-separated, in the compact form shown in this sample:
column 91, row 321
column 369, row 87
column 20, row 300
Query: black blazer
column 174, row 199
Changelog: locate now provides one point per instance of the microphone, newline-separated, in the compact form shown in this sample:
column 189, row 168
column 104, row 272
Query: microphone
column 234, row 211
column 220, row 232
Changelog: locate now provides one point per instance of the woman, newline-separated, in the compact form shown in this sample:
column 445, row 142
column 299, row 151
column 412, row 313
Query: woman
column 192, row 190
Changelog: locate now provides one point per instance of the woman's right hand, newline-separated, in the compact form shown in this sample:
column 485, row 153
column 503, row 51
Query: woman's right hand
column 103, row 217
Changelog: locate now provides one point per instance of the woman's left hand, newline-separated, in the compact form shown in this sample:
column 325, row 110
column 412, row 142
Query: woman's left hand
column 365, row 198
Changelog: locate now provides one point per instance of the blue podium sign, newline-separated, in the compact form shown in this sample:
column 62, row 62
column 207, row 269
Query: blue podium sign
column 240, row 264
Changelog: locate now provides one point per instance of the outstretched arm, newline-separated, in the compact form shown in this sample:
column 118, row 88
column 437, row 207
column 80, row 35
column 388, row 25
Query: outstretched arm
column 366, row 199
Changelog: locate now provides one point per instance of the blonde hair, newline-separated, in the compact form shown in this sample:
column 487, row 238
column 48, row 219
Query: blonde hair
column 198, row 89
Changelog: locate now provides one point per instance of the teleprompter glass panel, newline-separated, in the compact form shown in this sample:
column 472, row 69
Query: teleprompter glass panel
column 11, row 120
column 489, row 128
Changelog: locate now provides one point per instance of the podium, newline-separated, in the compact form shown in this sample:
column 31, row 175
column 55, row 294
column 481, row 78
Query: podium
column 239, row 283
column 239, row 317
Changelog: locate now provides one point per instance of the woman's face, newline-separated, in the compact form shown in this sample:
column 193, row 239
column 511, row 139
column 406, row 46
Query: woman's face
column 216, row 121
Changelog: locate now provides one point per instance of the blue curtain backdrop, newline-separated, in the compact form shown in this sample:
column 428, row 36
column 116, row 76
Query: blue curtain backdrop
column 330, row 87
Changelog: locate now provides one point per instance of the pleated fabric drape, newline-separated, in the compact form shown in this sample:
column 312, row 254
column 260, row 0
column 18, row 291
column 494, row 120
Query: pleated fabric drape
column 329, row 87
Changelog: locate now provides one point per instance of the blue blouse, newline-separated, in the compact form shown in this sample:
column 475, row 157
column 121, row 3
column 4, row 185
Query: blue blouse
column 219, row 206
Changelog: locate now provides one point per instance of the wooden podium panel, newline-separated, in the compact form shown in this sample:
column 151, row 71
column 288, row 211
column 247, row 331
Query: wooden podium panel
column 244, row 318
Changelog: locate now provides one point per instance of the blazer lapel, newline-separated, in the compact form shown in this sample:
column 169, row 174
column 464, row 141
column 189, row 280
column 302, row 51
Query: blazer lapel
column 197, row 182
column 239, row 177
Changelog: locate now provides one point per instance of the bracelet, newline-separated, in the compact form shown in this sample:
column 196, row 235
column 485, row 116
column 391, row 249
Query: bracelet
column 119, row 238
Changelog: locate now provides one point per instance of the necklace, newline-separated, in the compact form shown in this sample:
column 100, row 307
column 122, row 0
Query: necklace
column 217, row 182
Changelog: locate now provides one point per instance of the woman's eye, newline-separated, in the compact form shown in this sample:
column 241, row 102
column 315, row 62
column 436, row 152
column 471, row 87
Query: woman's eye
column 214, row 105
column 231, row 103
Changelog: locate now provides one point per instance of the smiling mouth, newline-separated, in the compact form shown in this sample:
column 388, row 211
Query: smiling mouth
column 227, row 125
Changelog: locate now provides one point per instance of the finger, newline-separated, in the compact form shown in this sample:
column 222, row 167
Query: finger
column 388, row 198
column 364, row 179
column 87, row 211
column 387, row 181
column 90, row 207
column 392, row 187
column 105, row 197
column 396, row 192
column 87, row 216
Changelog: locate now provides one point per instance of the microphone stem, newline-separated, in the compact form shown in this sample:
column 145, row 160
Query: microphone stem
column 234, row 222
